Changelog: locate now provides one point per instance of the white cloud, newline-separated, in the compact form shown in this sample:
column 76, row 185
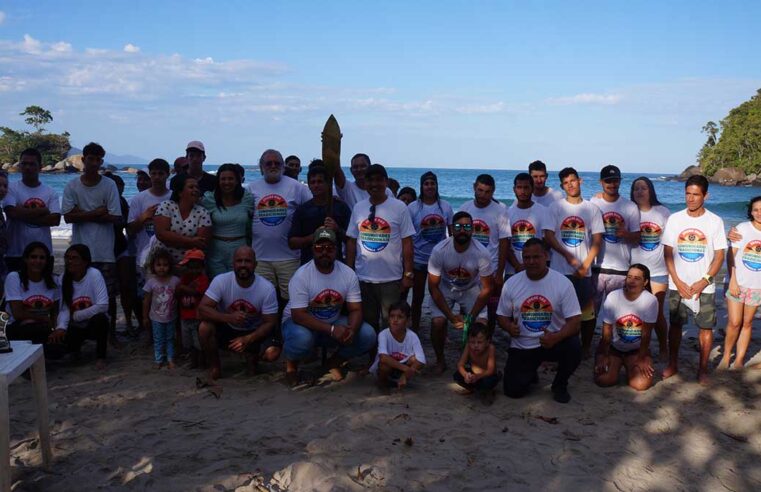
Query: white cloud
column 489, row 108
column 586, row 98
column 61, row 47
column 31, row 45
column 2, row 16
column 131, row 48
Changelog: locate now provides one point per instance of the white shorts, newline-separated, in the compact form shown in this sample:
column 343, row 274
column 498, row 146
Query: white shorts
column 465, row 299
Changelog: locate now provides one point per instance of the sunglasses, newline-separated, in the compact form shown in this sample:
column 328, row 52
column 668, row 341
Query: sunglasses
column 371, row 217
column 462, row 227
column 324, row 248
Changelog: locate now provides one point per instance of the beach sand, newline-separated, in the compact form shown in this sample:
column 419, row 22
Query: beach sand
column 135, row 428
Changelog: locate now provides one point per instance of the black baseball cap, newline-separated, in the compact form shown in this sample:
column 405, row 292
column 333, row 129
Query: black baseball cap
column 610, row 172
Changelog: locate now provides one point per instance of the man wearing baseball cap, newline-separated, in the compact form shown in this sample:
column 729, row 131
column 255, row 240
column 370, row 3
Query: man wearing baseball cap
column 318, row 291
column 195, row 154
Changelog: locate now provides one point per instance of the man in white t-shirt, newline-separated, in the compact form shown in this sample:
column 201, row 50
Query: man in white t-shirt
column 353, row 192
column 239, row 313
column 459, row 280
column 275, row 201
column 142, row 208
column 379, row 247
column 527, row 219
column 576, row 236
column 620, row 218
column 539, row 310
column 318, row 291
column 32, row 209
column 491, row 227
column 543, row 194
column 694, row 245
column 91, row 204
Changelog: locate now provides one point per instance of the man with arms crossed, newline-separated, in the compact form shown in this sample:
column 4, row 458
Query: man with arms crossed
column 238, row 313
column 539, row 310
column 694, row 244
column 459, row 278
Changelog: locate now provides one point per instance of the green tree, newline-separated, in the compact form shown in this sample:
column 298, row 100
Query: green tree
column 37, row 116
column 737, row 142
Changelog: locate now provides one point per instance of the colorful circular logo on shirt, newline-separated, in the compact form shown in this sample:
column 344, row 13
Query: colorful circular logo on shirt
column 81, row 302
column 572, row 231
column 629, row 328
column 38, row 302
column 149, row 228
column 375, row 235
column 522, row 230
column 691, row 245
column 433, row 228
column 326, row 305
column 752, row 255
column 612, row 221
column 459, row 276
column 481, row 231
column 536, row 313
column 244, row 306
column 649, row 236
column 34, row 202
column 272, row 210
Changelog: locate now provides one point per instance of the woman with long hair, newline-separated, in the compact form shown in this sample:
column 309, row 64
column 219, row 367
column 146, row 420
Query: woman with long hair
column 180, row 222
column 84, row 303
column 231, row 208
column 744, row 292
column 33, row 295
column 629, row 315
column 432, row 218
column 649, row 251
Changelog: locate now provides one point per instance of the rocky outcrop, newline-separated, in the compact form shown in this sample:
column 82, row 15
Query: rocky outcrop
column 689, row 171
column 728, row 176
column 129, row 170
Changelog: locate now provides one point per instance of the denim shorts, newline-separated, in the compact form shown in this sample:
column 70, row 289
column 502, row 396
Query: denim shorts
column 660, row 279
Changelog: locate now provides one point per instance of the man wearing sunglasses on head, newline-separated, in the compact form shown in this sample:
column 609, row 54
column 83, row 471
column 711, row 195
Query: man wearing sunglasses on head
column 379, row 248
column 460, row 280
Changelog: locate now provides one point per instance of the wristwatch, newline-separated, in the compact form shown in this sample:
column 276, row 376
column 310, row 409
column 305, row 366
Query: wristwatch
column 409, row 275
column 708, row 278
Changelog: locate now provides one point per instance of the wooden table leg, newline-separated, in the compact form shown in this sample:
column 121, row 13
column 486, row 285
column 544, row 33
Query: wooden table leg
column 5, row 451
column 41, row 399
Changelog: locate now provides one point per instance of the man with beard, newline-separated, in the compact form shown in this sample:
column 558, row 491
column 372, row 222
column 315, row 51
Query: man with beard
column 465, row 267
column 238, row 313
column 355, row 191
column 318, row 291
column 538, row 308
column 543, row 194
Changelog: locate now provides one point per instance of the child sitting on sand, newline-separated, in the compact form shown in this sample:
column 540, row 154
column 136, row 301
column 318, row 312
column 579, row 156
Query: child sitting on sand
column 160, row 307
column 192, row 286
column 400, row 354
column 476, row 369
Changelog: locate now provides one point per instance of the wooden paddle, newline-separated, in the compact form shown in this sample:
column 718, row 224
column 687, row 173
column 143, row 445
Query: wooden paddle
column 331, row 154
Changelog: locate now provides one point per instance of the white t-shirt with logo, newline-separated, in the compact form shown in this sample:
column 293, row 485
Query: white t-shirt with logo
column 137, row 205
column 694, row 241
column 574, row 224
column 548, row 198
column 353, row 194
column 748, row 256
column 649, row 252
column 163, row 301
column 90, row 297
column 323, row 295
column 628, row 318
column 490, row 224
column 274, row 205
column 379, row 243
column 98, row 236
column 537, row 305
column 257, row 299
column 430, row 223
column 460, row 271
column 525, row 223
column 38, row 298
column 20, row 233
column 615, row 252
column 399, row 351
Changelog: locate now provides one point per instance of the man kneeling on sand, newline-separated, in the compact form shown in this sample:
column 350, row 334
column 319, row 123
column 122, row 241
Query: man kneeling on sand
column 239, row 313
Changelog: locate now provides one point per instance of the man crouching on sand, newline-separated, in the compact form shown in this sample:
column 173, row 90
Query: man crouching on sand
column 239, row 313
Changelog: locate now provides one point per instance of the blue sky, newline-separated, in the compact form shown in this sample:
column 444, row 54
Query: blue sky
column 438, row 84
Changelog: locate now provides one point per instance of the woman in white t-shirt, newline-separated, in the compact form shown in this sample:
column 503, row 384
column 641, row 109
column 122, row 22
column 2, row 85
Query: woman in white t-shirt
column 744, row 292
column 627, row 322
column 649, row 251
column 33, row 295
column 432, row 218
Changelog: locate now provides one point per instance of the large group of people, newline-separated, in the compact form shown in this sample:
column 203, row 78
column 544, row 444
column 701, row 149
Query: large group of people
column 275, row 267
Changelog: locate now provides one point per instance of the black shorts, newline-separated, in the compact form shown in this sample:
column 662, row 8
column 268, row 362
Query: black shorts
column 224, row 334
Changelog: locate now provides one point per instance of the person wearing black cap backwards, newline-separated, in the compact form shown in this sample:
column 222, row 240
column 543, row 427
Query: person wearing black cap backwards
column 379, row 247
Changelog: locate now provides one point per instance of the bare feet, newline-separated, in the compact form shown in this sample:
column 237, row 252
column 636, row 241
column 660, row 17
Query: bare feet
column 336, row 374
column 439, row 368
column 670, row 370
column 100, row 364
column 334, row 368
column 402, row 381
column 214, row 373
column 757, row 365
column 703, row 377
column 170, row 364
column 723, row 365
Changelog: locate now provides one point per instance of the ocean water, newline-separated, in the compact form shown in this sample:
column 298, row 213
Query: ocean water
column 456, row 186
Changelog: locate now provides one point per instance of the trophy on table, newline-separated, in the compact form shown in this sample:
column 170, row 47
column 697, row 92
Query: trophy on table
column 5, row 345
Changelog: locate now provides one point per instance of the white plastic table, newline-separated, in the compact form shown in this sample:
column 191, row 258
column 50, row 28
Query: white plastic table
column 25, row 356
